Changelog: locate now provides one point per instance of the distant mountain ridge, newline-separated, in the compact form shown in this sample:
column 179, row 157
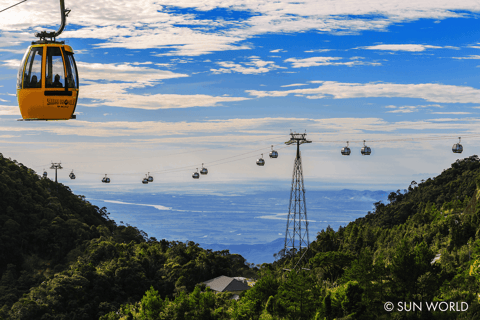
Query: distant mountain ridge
column 256, row 253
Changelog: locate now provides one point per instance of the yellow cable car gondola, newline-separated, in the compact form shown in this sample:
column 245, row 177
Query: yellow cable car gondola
column 47, row 80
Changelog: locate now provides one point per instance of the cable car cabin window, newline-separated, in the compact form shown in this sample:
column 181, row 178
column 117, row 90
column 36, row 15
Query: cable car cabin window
column 72, row 79
column 20, row 70
column 55, row 71
column 33, row 69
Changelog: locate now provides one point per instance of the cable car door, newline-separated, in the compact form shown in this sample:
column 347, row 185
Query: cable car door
column 61, row 83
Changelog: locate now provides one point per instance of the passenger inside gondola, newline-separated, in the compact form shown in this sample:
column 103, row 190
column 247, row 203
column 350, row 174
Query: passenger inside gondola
column 34, row 83
column 57, row 83
column 70, row 81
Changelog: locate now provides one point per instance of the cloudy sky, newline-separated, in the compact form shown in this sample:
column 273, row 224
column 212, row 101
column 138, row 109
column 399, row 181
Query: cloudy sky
column 168, row 85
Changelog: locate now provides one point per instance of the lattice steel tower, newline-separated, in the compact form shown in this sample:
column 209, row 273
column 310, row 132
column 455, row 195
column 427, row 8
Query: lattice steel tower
column 296, row 235
column 56, row 166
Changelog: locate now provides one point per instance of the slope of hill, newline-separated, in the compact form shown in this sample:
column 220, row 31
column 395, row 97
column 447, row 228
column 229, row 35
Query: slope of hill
column 61, row 257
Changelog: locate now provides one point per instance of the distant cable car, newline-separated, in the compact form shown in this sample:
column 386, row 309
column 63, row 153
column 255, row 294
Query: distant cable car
column 47, row 80
column 204, row 170
column 150, row 178
column 196, row 175
column 106, row 179
column 45, row 173
column 366, row 150
column 273, row 154
column 261, row 162
column 346, row 150
column 72, row 175
column 457, row 147
column 145, row 180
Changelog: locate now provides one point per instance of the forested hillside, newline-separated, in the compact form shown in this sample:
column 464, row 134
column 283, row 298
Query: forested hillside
column 62, row 258
column 422, row 247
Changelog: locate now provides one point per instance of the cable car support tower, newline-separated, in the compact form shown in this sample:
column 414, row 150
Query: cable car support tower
column 296, row 235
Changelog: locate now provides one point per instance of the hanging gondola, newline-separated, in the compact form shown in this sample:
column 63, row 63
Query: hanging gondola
column 346, row 150
column 145, row 180
column 150, row 178
column 204, row 170
column 47, row 80
column 457, row 147
column 365, row 150
column 196, row 175
column 261, row 162
column 273, row 154
column 106, row 179
column 72, row 175
column 45, row 173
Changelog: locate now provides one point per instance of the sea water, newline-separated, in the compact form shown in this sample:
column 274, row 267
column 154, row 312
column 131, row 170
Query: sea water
column 252, row 224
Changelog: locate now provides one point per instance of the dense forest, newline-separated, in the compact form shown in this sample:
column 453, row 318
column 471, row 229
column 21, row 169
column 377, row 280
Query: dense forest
column 63, row 258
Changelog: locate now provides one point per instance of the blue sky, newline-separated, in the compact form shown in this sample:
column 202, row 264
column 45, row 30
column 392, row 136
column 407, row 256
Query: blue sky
column 168, row 85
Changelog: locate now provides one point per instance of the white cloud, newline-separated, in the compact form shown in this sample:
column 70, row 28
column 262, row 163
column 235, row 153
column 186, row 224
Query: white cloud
column 475, row 57
column 11, row 63
column 115, row 95
column 12, row 39
column 318, row 50
column 401, row 47
column 9, row 111
column 8, row 136
column 404, row 109
column 325, row 61
column 254, row 66
column 168, row 65
column 410, row 109
column 428, row 91
column 451, row 113
column 451, row 47
column 126, row 72
column 179, row 41
column 17, row 51
column 431, row 106
column 293, row 85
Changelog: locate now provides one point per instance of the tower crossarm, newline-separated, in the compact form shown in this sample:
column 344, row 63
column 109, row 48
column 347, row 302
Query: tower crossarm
column 299, row 138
